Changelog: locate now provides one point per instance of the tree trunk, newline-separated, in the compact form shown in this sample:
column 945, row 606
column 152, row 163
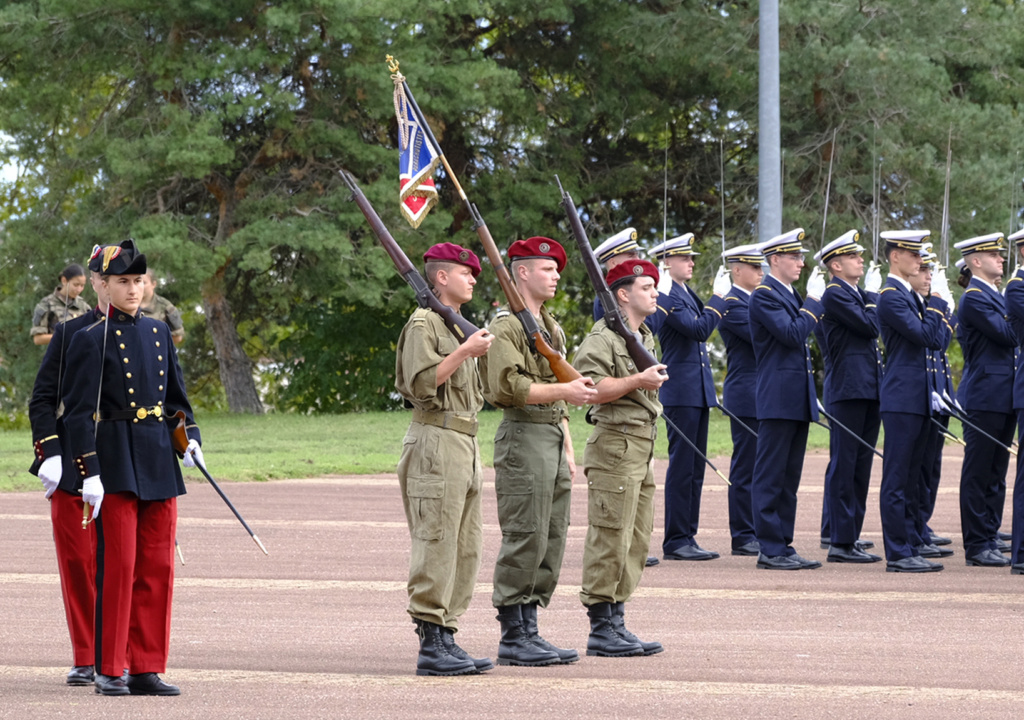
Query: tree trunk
column 235, row 366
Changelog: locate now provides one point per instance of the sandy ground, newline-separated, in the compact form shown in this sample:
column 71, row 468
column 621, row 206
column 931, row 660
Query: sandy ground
column 318, row 628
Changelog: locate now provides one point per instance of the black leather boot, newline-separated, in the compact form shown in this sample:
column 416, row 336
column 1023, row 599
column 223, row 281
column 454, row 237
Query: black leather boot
column 619, row 621
column 604, row 639
column 448, row 638
column 516, row 647
column 565, row 655
column 434, row 658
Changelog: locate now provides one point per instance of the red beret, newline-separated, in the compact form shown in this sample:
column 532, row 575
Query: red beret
column 450, row 252
column 632, row 268
column 538, row 247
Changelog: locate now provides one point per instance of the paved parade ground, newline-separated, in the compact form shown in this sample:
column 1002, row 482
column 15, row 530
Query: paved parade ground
column 318, row 628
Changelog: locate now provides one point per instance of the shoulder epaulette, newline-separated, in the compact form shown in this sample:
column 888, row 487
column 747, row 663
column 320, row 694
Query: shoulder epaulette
column 972, row 290
column 886, row 289
column 732, row 298
column 1014, row 278
column 502, row 313
column 763, row 287
column 663, row 309
column 835, row 285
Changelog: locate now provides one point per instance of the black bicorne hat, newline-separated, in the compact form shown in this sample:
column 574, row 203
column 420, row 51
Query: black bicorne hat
column 123, row 259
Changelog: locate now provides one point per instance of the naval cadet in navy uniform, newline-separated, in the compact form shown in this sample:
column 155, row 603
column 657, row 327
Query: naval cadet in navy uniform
column 744, row 264
column 683, row 324
column 850, row 330
column 787, row 402
column 614, row 251
column 1015, row 310
column 989, row 345
column 910, row 329
column 123, row 382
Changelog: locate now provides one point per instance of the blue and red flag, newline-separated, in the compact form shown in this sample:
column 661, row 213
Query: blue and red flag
column 417, row 164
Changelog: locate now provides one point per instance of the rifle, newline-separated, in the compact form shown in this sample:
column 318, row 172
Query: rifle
column 538, row 340
column 460, row 327
column 612, row 314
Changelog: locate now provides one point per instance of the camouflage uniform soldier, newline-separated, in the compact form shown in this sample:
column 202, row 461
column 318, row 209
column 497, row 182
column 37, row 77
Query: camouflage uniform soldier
column 63, row 304
column 618, row 463
column 439, row 471
column 533, row 458
column 160, row 308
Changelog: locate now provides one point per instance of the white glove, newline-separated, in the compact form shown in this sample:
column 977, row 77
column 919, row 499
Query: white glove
column 938, row 406
column 723, row 282
column 50, row 473
column 873, row 279
column 940, row 286
column 92, row 493
column 816, row 284
column 193, row 454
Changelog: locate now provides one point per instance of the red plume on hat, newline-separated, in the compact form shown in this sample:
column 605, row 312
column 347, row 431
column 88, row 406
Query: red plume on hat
column 536, row 248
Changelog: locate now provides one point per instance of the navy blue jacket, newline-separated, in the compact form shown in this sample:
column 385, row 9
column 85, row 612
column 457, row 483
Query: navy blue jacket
column 47, row 427
column 850, row 327
column 683, row 325
column 741, row 365
column 1015, row 311
column 139, row 370
column 989, row 344
column 939, row 367
column 909, row 336
column 779, row 327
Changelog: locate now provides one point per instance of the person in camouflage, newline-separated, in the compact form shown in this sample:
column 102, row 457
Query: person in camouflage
column 61, row 305
column 160, row 308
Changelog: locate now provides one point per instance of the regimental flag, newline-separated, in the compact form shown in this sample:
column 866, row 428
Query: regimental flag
column 418, row 161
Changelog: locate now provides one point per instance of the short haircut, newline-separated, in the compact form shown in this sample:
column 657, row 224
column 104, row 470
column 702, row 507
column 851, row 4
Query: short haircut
column 432, row 267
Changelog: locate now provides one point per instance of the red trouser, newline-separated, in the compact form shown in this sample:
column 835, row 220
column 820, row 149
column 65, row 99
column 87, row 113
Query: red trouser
column 76, row 562
column 134, row 583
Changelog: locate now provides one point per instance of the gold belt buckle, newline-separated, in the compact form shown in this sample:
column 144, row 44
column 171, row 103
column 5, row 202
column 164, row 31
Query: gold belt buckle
column 143, row 413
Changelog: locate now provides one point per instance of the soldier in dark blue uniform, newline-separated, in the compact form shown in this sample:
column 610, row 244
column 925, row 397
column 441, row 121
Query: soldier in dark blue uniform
column 850, row 330
column 121, row 449
column 787, row 402
column 989, row 344
column 1015, row 311
column 910, row 329
column 683, row 324
column 76, row 551
column 737, row 392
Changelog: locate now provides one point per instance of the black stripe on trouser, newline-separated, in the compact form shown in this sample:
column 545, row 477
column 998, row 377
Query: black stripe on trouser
column 98, row 635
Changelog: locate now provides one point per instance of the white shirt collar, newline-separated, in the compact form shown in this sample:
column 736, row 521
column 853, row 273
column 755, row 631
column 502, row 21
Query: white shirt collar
column 745, row 292
column 901, row 281
column 986, row 282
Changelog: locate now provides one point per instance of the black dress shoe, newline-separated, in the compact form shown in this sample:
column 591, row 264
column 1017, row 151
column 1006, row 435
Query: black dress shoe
column 1003, row 546
column 750, row 549
column 939, row 540
column 110, row 685
column 932, row 551
column 651, row 560
column 779, row 562
column 865, row 545
column 805, row 564
column 690, row 552
column 1017, row 569
column 850, row 554
column 150, row 684
column 988, row 558
column 81, row 675
column 1004, row 536
column 826, row 543
column 913, row 564
column 714, row 554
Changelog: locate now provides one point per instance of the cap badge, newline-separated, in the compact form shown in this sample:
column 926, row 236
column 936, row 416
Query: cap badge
column 464, row 256
column 638, row 270
column 544, row 247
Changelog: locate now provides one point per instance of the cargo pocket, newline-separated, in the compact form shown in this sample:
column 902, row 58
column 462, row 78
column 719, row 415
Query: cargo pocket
column 515, row 502
column 606, row 501
column 426, row 497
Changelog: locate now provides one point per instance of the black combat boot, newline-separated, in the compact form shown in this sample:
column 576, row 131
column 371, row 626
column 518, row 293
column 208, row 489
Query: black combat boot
column 619, row 621
column 565, row 655
column 516, row 647
column 448, row 638
column 434, row 658
column 604, row 639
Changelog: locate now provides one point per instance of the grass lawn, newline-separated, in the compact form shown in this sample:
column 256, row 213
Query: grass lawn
column 243, row 447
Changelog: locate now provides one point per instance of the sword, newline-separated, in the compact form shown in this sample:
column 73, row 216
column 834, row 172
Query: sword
column 729, row 414
column 693, row 446
column 969, row 424
column 832, row 421
column 946, row 433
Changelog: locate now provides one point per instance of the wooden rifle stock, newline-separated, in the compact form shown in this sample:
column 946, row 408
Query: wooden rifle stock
column 612, row 314
column 538, row 339
column 458, row 325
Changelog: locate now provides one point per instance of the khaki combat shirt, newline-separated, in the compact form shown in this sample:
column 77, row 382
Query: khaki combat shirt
column 603, row 354
column 50, row 312
column 426, row 341
column 510, row 367
column 162, row 309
